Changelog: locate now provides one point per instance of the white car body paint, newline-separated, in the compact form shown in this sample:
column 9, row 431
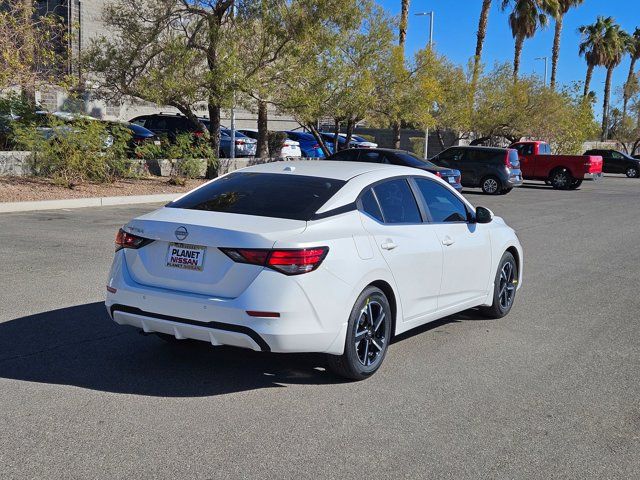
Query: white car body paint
column 428, row 278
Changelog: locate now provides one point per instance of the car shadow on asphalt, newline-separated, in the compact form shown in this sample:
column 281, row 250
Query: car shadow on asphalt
column 81, row 346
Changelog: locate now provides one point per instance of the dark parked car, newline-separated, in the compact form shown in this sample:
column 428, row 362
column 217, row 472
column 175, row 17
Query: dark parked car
column 171, row 125
column 614, row 161
column 495, row 170
column 398, row 157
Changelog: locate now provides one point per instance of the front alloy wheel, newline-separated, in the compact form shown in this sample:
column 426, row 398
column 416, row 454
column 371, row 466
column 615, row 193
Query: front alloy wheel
column 368, row 337
column 632, row 172
column 505, row 286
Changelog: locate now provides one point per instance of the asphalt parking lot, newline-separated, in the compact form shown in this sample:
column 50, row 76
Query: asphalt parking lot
column 551, row 391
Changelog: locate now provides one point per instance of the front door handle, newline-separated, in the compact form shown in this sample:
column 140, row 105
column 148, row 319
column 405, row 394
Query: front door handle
column 448, row 241
column 388, row 245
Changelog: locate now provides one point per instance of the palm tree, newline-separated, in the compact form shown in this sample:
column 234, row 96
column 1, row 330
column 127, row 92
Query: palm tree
column 525, row 18
column 634, row 52
column 592, row 46
column 616, row 44
column 563, row 7
column 482, row 32
column 404, row 20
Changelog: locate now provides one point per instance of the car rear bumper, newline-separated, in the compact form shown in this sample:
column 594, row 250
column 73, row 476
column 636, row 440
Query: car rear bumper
column 596, row 177
column 303, row 324
column 514, row 179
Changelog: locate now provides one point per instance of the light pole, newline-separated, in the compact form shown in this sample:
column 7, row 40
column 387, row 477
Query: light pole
column 431, row 19
column 545, row 68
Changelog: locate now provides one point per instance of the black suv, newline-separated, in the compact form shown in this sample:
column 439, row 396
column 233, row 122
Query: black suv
column 617, row 162
column 495, row 170
column 167, row 125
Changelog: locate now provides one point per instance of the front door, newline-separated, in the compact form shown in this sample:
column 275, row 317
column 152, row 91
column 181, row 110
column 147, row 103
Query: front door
column 409, row 246
column 466, row 246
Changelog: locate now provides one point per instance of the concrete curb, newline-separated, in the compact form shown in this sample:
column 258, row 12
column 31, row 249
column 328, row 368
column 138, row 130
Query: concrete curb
column 6, row 207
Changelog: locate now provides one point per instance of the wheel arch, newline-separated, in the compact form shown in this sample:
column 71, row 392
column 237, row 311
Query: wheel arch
column 387, row 289
column 560, row 168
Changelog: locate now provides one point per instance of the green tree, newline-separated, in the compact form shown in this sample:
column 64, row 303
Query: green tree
column 32, row 48
column 632, row 82
column 592, row 46
column 524, row 20
column 616, row 42
column 563, row 8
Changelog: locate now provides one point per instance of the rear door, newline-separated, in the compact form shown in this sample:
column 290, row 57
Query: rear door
column 467, row 247
column 409, row 246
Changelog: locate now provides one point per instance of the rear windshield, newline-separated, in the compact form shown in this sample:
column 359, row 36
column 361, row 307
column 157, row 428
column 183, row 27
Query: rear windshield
column 278, row 195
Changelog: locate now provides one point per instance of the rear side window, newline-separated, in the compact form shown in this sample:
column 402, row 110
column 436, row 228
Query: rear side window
column 397, row 202
column 294, row 197
column 373, row 157
column 370, row 206
column 443, row 205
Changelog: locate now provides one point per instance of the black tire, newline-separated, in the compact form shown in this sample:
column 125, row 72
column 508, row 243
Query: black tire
column 504, row 191
column 632, row 172
column 357, row 362
column 508, row 283
column 491, row 185
column 575, row 184
column 561, row 179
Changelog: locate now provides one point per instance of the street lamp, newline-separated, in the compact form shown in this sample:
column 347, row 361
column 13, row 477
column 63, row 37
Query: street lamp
column 431, row 19
column 545, row 68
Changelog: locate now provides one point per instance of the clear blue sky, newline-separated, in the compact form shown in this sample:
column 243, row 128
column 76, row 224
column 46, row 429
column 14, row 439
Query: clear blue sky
column 456, row 23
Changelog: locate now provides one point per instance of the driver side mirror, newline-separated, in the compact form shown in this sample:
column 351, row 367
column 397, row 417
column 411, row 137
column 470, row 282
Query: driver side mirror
column 483, row 215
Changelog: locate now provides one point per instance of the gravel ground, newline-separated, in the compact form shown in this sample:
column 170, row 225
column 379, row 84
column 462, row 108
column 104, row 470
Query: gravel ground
column 20, row 189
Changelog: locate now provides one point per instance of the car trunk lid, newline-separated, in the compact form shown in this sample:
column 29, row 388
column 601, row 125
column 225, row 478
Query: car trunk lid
column 185, row 254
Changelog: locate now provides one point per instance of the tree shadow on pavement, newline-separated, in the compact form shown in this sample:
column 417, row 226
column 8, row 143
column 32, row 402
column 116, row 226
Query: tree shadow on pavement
column 81, row 346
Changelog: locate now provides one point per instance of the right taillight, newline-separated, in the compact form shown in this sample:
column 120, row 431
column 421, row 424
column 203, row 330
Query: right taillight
column 290, row 261
column 507, row 160
column 128, row 240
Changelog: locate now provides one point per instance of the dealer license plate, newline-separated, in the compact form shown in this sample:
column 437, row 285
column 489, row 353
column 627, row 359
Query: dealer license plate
column 185, row 256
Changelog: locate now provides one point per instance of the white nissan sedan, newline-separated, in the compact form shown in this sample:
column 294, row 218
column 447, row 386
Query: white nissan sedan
column 332, row 257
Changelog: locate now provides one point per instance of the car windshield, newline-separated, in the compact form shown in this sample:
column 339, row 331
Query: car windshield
column 414, row 161
column 295, row 197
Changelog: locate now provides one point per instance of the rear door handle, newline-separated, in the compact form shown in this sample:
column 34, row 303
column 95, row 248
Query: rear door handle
column 448, row 241
column 388, row 245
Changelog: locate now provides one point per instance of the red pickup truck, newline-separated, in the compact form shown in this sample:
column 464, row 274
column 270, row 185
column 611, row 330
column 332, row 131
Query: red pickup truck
column 564, row 172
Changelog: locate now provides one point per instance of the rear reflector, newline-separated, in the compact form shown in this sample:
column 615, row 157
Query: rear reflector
column 287, row 261
column 254, row 313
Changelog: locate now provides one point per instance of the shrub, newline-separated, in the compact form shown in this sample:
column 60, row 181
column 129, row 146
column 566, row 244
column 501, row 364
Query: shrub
column 417, row 146
column 75, row 149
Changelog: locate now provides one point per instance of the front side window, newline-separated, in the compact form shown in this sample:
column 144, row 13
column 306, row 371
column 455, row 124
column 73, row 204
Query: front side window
column 397, row 202
column 443, row 205
column 451, row 154
column 296, row 197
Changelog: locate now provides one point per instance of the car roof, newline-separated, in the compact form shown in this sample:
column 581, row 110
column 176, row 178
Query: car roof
column 330, row 169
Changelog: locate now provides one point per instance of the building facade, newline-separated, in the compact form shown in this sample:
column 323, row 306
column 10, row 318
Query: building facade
column 83, row 21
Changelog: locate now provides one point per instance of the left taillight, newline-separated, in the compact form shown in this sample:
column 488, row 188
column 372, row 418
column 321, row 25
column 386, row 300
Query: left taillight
column 288, row 261
column 128, row 240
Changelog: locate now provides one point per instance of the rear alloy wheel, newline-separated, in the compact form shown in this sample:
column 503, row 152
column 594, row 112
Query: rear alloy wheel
column 504, row 292
column 575, row 184
column 561, row 179
column 491, row 186
column 368, row 336
column 632, row 172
